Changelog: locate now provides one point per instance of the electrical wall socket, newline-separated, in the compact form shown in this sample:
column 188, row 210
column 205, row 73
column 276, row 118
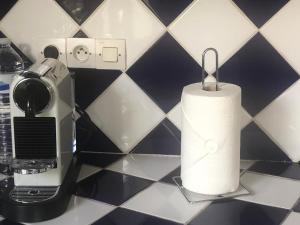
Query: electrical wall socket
column 81, row 52
column 108, row 54
column 50, row 48
column 111, row 54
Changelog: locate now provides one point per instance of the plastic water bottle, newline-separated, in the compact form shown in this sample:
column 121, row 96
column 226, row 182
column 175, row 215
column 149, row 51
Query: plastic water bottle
column 11, row 64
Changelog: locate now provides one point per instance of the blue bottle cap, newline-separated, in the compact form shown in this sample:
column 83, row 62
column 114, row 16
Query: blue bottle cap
column 4, row 86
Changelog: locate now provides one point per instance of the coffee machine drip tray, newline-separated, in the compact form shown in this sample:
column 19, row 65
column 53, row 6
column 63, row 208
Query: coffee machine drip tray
column 30, row 204
column 33, row 194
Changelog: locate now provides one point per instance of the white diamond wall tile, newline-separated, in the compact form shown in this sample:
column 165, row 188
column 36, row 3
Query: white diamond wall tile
column 292, row 219
column 245, row 118
column 213, row 23
column 29, row 20
column 175, row 116
column 130, row 20
column 125, row 113
column 86, row 171
column 282, row 121
column 283, row 32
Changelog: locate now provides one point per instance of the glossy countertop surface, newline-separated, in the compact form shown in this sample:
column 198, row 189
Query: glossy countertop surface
column 115, row 189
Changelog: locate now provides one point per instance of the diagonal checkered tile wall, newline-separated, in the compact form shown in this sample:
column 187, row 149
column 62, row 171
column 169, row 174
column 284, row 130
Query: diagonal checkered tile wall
column 138, row 110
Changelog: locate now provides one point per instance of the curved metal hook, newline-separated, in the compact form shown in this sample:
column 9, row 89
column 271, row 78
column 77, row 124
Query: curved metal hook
column 217, row 67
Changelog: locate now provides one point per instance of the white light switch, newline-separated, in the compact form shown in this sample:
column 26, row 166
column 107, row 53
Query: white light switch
column 110, row 54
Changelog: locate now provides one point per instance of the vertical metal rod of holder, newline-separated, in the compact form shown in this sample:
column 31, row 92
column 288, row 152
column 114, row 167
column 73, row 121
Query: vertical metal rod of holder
column 217, row 68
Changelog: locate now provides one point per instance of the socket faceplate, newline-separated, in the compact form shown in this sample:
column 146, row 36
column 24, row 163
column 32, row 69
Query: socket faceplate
column 81, row 52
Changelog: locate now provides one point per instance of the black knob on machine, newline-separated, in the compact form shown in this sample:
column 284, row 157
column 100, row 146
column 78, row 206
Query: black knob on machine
column 32, row 96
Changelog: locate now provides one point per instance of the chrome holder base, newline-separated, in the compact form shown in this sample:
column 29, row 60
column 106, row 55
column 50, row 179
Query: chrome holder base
column 193, row 197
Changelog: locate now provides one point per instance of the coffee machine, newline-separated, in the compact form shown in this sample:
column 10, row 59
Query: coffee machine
column 43, row 134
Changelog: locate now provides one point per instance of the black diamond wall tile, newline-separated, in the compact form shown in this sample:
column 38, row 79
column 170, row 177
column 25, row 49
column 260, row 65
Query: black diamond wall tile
column 256, row 145
column 79, row 10
column 90, row 138
column 6, row 5
column 164, row 139
column 164, row 70
column 80, row 34
column 26, row 60
column 111, row 187
column 287, row 169
column 90, row 83
column 260, row 71
column 122, row 216
column 167, row 10
column 235, row 212
column 260, row 11
column 2, row 35
column 99, row 159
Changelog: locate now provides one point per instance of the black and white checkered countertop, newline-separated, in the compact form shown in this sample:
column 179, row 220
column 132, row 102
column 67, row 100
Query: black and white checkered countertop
column 135, row 189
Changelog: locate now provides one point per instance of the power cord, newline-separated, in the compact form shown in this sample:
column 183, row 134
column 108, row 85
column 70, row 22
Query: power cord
column 88, row 129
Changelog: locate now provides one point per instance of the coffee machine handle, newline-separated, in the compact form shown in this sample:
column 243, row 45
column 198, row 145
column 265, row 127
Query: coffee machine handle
column 30, row 108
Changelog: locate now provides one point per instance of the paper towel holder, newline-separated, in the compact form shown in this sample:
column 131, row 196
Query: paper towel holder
column 217, row 68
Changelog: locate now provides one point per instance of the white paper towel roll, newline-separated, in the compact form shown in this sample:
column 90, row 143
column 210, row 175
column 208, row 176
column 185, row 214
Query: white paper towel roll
column 210, row 139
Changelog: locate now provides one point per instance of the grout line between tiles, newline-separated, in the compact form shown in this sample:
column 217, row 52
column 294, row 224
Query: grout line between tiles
column 159, row 217
column 155, row 155
column 140, row 89
column 9, row 11
column 182, row 14
column 243, row 13
column 93, row 13
column 133, row 175
column 108, row 153
column 197, row 214
column 63, row 11
column 233, row 52
column 95, row 201
column 149, row 12
column 281, row 94
column 136, row 194
column 12, row 40
column 278, row 51
column 261, row 203
column 277, row 13
column 140, row 55
column 274, row 176
column 248, row 115
column 141, row 176
column 257, row 122
column 285, row 218
column 71, row 36
column 155, row 124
